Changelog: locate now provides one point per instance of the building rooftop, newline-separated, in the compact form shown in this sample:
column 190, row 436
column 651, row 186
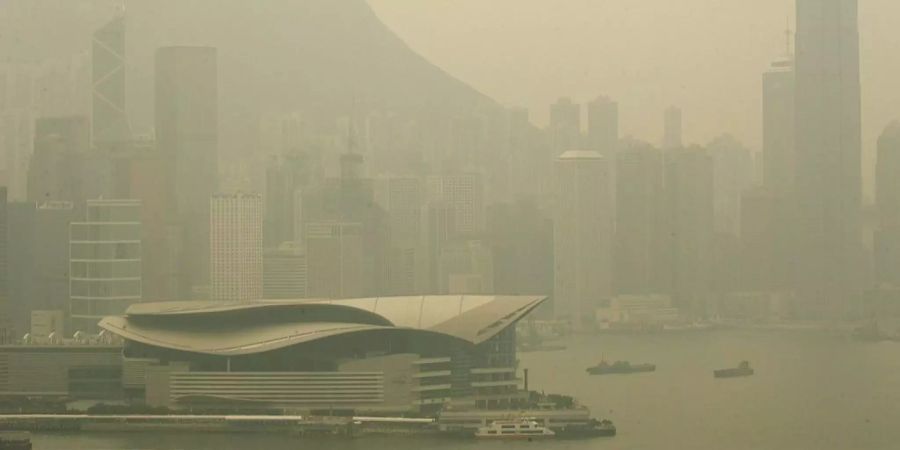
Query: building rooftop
column 222, row 328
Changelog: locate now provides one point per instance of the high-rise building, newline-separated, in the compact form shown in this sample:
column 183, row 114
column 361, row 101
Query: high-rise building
column 689, row 198
column 466, row 267
column 887, row 203
column 521, row 236
column 62, row 166
column 582, row 237
column 105, row 261
column 464, row 193
column 335, row 259
column 673, row 131
column 565, row 125
column 641, row 233
column 236, row 247
column 137, row 172
column 286, row 178
column 779, row 172
column 285, row 272
column 732, row 176
column 760, row 269
column 603, row 126
column 778, row 129
column 828, row 156
column 6, row 330
column 16, row 143
column 39, row 278
column 186, row 100
column 110, row 120
column 403, row 200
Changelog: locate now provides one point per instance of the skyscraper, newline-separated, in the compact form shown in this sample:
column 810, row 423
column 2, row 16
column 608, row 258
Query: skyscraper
column 887, row 202
column 690, row 217
column 582, row 237
column 335, row 259
column 39, row 279
column 641, row 235
column 285, row 272
column 464, row 192
column 603, row 127
column 187, row 135
column 236, row 247
column 110, row 121
column 104, row 261
column 733, row 175
column 5, row 310
column 565, row 125
column 778, row 128
column 672, row 132
column 828, row 155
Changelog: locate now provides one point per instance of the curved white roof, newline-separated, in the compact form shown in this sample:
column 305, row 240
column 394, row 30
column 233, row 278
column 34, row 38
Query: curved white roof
column 245, row 328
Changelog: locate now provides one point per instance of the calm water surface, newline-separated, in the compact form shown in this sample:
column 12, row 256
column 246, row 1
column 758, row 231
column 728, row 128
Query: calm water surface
column 811, row 391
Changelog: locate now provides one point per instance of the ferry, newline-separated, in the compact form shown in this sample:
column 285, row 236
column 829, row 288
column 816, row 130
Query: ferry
column 520, row 429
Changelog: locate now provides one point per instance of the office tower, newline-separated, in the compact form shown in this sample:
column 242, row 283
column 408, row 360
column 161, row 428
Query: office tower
column 286, row 178
column 521, row 237
column 689, row 198
column 673, row 130
column 186, row 100
column 439, row 225
column 109, row 118
column 137, row 171
column 603, row 126
column 466, row 267
column 760, row 268
column 335, row 259
column 105, row 261
column 565, row 125
column 285, row 272
column 778, row 128
column 887, row 203
column 732, row 176
column 828, row 156
column 402, row 198
column 236, row 247
column 779, row 171
column 6, row 330
column 39, row 278
column 16, row 143
column 641, row 233
column 582, row 237
column 464, row 193
column 62, row 166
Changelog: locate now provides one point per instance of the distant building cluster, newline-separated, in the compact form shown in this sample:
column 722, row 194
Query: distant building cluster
column 370, row 201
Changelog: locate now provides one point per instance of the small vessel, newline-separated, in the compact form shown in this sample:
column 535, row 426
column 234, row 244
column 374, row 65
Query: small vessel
column 15, row 440
column 742, row 370
column 516, row 429
column 595, row 428
column 619, row 367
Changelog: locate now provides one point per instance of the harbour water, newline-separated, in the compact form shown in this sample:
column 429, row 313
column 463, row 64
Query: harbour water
column 811, row 390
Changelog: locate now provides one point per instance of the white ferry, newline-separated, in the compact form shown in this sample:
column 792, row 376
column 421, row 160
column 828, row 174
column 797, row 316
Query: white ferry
column 518, row 429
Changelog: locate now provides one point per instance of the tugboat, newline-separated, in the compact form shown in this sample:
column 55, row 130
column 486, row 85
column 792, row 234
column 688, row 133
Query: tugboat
column 524, row 429
column 742, row 370
column 619, row 367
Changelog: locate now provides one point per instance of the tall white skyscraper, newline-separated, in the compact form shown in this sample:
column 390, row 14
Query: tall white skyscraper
column 828, row 156
column 582, row 236
column 236, row 247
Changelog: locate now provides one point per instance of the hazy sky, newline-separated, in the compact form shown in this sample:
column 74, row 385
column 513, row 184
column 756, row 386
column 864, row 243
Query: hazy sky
column 705, row 55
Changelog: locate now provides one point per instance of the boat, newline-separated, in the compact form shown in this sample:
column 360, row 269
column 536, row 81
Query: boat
column 517, row 429
column 15, row 440
column 742, row 370
column 619, row 367
column 594, row 428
